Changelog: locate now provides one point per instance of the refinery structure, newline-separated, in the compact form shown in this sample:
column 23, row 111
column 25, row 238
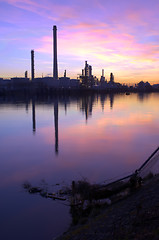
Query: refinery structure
column 84, row 81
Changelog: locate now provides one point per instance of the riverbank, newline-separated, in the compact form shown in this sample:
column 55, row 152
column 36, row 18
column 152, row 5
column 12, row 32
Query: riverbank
column 135, row 217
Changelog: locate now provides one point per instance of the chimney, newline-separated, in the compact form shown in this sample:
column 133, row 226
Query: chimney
column 55, row 70
column 32, row 64
column 26, row 74
column 102, row 72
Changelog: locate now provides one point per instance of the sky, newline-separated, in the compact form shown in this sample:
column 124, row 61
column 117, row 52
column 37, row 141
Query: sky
column 118, row 36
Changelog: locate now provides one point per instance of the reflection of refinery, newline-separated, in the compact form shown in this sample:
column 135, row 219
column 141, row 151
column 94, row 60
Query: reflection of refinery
column 56, row 125
column 85, row 105
column 55, row 122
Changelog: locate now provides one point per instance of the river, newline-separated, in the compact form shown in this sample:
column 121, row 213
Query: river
column 53, row 140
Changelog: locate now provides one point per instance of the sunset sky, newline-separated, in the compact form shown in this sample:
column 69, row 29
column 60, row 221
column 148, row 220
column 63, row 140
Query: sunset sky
column 119, row 36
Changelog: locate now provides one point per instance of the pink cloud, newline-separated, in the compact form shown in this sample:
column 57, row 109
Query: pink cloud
column 118, row 36
column 100, row 42
column 102, row 45
column 89, row 140
column 47, row 9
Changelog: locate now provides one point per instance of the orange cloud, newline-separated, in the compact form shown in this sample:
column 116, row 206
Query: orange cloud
column 122, row 38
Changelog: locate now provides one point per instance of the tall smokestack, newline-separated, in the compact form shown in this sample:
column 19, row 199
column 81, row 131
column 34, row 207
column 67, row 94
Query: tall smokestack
column 26, row 74
column 102, row 72
column 32, row 64
column 55, row 71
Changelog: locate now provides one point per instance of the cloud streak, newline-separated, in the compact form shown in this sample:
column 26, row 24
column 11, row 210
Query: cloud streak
column 123, row 37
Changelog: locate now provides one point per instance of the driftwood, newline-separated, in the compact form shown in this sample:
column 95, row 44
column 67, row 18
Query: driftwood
column 84, row 197
column 42, row 192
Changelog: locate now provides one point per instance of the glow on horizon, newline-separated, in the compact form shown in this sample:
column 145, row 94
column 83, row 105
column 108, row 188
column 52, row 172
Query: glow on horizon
column 120, row 37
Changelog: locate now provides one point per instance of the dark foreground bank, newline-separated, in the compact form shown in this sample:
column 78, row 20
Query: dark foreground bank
column 135, row 217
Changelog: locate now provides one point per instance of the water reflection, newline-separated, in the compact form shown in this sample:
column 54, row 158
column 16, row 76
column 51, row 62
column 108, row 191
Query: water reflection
column 111, row 96
column 143, row 96
column 120, row 133
column 125, row 116
column 55, row 121
column 26, row 107
column 33, row 116
column 56, row 126
column 103, row 98
column 86, row 104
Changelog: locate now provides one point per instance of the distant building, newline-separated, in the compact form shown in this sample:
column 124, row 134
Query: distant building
column 144, row 86
column 26, row 74
column 5, row 84
column 102, row 79
column 87, row 79
column 111, row 78
column 64, row 82
column 18, row 83
column 87, row 70
column 74, row 83
column 155, row 86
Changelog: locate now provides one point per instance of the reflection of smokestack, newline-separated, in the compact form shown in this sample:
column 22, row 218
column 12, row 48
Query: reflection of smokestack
column 33, row 116
column 56, row 125
column 32, row 64
column 55, row 71
column 65, row 108
column 111, row 96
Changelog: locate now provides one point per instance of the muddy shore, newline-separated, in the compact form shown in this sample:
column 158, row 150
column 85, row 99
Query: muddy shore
column 135, row 217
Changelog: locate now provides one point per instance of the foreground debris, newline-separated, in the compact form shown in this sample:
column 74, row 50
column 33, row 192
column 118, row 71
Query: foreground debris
column 135, row 217
column 42, row 192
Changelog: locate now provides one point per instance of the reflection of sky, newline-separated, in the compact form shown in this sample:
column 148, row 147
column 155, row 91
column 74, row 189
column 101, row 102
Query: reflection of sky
column 117, row 137
column 110, row 143
column 121, row 37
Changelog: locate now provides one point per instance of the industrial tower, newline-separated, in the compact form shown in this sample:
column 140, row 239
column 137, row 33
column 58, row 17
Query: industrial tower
column 55, row 70
column 32, row 64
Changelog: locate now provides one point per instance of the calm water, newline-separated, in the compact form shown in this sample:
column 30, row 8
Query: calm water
column 63, row 139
